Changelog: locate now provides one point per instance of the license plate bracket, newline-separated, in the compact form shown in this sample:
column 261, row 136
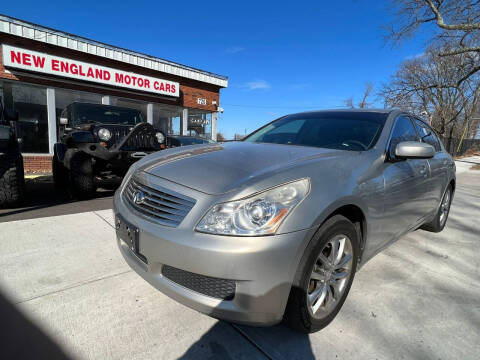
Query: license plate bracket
column 129, row 234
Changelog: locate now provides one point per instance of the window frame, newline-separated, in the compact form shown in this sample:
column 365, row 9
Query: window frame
column 387, row 150
column 432, row 132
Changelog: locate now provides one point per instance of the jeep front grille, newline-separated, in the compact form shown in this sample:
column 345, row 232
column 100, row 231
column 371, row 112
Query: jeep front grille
column 161, row 205
column 139, row 142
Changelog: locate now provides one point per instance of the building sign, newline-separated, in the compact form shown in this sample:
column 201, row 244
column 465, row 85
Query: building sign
column 198, row 121
column 18, row 58
column 201, row 101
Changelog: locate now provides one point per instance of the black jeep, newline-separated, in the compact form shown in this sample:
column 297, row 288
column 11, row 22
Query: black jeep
column 97, row 145
column 12, row 182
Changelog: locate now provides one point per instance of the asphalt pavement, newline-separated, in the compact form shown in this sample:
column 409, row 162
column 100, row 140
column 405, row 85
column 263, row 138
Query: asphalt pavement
column 65, row 278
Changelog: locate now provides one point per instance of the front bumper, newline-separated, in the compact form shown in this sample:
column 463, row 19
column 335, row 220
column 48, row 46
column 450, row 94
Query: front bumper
column 263, row 268
column 118, row 158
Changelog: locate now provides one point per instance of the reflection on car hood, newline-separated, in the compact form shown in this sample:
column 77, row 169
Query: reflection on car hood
column 220, row 168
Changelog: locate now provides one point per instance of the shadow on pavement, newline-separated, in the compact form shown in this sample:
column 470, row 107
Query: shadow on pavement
column 208, row 343
column 22, row 339
column 42, row 200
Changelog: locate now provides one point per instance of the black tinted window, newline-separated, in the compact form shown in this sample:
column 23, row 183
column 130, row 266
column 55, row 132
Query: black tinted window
column 102, row 114
column 427, row 135
column 333, row 130
column 403, row 130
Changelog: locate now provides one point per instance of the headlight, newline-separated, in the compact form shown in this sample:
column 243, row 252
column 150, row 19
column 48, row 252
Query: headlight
column 104, row 134
column 160, row 137
column 260, row 214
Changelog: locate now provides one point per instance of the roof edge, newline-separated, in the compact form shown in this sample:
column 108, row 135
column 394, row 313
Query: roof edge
column 45, row 34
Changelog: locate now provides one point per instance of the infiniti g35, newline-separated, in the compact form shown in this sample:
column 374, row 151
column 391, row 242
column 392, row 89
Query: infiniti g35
column 274, row 227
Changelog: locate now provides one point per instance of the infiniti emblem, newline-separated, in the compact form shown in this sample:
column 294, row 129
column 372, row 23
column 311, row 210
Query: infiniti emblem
column 139, row 197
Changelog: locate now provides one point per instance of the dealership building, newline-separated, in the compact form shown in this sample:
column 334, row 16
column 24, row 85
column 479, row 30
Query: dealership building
column 43, row 70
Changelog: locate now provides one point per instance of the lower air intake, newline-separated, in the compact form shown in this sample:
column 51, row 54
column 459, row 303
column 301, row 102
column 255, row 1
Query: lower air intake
column 214, row 287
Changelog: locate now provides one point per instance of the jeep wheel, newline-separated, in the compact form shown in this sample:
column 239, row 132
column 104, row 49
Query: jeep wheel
column 12, row 181
column 82, row 183
column 60, row 175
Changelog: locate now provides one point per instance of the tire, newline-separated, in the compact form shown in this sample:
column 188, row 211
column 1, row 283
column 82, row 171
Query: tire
column 12, row 179
column 438, row 223
column 60, row 175
column 82, row 184
column 300, row 315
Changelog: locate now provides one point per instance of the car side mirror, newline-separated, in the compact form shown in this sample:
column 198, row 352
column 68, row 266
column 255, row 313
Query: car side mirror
column 63, row 121
column 414, row 150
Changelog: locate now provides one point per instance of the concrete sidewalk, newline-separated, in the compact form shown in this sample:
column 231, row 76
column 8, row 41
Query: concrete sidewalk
column 418, row 299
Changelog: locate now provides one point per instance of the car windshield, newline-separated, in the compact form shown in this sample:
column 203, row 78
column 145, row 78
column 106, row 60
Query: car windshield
column 354, row 131
column 101, row 114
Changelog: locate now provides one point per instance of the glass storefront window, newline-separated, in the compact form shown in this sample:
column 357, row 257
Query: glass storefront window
column 31, row 103
column 64, row 97
column 167, row 118
column 200, row 123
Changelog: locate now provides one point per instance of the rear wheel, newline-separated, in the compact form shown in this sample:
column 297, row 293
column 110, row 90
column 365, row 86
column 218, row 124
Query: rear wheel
column 324, row 277
column 12, row 180
column 82, row 183
column 439, row 221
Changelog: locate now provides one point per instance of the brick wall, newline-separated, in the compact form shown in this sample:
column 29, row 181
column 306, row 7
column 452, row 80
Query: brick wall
column 36, row 164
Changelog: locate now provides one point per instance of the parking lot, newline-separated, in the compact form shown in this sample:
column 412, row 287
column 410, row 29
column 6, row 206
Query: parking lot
column 419, row 299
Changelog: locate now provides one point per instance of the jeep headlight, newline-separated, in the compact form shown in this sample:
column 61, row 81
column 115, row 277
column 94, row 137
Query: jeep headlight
column 259, row 214
column 160, row 137
column 104, row 134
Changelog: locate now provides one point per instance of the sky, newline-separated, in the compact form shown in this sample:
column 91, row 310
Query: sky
column 280, row 57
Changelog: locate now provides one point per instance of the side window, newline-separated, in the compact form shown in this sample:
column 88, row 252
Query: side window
column 403, row 130
column 427, row 135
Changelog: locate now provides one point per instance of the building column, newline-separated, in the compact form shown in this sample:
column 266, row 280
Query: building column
column 52, row 119
column 214, row 126
column 150, row 114
column 106, row 100
column 184, row 123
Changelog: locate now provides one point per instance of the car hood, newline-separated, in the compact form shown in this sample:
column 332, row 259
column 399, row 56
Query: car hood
column 223, row 167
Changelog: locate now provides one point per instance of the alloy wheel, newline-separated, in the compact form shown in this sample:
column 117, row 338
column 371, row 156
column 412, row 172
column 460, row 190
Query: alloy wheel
column 330, row 275
column 445, row 207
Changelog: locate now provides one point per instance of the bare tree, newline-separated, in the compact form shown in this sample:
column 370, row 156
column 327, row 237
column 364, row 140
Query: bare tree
column 368, row 91
column 363, row 104
column 457, row 24
column 438, row 87
column 220, row 137
column 349, row 103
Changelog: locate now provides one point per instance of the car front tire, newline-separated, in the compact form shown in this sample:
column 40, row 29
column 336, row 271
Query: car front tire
column 324, row 276
column 12, row 179
column 82, row 183
column 440, row 220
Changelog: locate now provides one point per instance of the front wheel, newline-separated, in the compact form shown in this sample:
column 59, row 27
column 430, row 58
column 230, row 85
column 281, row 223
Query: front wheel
column 12, row 180
column 324, row 277
column 82, row 183
column 440, row 220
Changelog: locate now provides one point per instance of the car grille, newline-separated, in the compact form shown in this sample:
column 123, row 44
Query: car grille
column 160, row 205
column 139, row 142
column 214, row 287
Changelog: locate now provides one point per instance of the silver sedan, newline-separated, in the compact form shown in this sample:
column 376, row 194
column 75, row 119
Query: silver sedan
column 274, row 227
